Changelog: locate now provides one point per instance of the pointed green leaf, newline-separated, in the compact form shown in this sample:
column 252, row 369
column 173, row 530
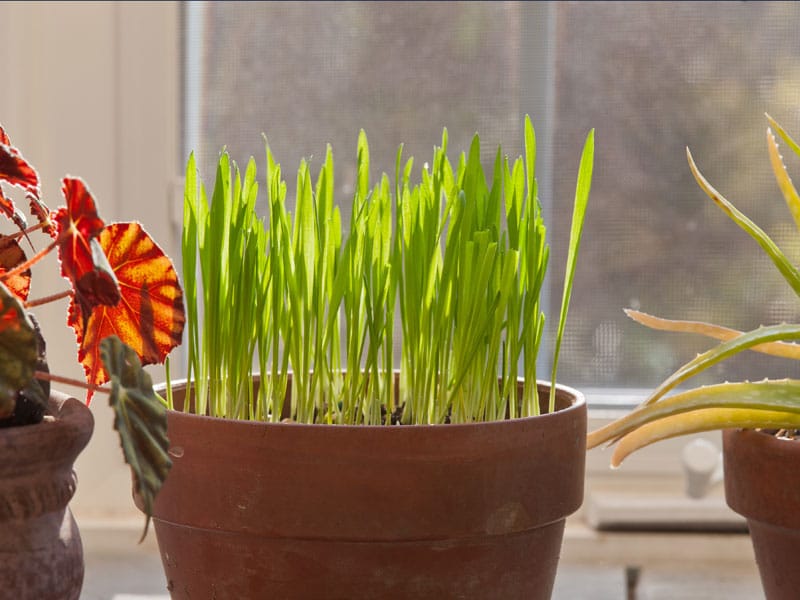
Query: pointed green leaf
column 141, row 420
column 786, row 137
column 582, row 188
column 782, row 177
column 787, row 269
column 746, row 341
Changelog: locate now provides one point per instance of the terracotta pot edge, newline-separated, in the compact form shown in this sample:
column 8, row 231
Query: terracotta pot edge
column 577, row 405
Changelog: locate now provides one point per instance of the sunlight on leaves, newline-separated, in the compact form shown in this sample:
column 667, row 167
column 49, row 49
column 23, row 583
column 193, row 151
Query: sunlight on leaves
column 696, row 421
column 150, row 315
column 12, row 255
column 782, row 177
column 81, row 261
column 717, row 332
column 16, row 171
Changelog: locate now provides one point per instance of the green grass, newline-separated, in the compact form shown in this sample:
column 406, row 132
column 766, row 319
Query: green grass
column 462, row 259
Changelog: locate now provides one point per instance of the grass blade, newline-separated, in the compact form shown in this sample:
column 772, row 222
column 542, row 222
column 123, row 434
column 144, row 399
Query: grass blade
column 578, row 214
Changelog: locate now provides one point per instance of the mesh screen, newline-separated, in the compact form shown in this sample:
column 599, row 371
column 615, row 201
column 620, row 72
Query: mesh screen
column 652, row 78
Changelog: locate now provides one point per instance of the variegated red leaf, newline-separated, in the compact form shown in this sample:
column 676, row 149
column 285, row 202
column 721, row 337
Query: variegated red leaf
column 17, row 171
column 82, row 261
column 43, row 215
column 150, row 315
column 12, row 255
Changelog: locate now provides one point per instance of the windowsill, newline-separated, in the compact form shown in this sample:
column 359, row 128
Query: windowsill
column 593, row 563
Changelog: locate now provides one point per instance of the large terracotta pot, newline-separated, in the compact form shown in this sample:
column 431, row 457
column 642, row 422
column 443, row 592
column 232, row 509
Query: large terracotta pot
column 41, row 557
column 255, row 510
column 761, row 485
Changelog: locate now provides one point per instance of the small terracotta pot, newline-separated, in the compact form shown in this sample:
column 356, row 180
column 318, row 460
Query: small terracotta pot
column 260, row 510
column 760, row 484
column 41, row 556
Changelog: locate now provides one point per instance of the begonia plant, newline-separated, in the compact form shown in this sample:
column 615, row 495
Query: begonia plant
column 125, row 305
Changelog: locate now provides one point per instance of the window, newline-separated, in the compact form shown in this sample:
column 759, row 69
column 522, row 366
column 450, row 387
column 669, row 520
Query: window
column 652, row 78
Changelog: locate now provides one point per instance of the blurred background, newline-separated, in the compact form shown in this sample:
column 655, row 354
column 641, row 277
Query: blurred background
column 652, row 78
column 120, row 93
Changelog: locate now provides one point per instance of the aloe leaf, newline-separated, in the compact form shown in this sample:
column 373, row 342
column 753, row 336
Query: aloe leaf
column 708, row 419
column 775, row 395
column 717, row 332
column 141, row 420
column 786, row 137
column 787, row 269
column 723, row 351
column 578, row 214
column 782, row 177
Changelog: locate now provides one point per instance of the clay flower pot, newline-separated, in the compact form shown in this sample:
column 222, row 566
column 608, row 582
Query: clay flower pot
column 761, row 486
column 41, row 556
column 256, row 510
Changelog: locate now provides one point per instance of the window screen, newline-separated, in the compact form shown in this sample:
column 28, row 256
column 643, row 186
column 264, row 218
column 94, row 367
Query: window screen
column 652, row 78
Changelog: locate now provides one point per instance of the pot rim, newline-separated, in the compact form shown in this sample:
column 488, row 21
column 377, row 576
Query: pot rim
column 576, row 398
column 756, row 467
column 67, row 412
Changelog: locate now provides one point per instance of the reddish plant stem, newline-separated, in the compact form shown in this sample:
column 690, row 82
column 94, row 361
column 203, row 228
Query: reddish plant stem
column 30, row 262
column 69, row 381
column 48, row 299
column 29, row 230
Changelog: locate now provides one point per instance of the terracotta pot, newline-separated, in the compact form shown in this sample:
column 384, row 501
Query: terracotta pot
column 41, row 556
column 761, row 486
column 257, row 510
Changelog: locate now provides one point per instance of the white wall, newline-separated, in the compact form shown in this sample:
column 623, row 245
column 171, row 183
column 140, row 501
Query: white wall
column 93, row 89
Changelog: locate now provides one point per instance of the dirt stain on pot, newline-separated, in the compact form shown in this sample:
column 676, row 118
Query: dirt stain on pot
column 508, row 518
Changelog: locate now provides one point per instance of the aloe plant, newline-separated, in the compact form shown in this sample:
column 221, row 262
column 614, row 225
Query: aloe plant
column 769, row 404
column 459, row 258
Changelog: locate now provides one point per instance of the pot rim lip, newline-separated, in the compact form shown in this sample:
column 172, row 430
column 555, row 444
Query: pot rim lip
column 751, row 436
column 578, row 405
column 64, row 410
column 72, row 419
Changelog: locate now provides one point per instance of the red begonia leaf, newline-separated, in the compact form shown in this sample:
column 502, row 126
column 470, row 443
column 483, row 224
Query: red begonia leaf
column 38, row 208
column 43, row 215
column 82, row 260
column 12, row 255
column 6, row 205
column 17, row 171
column 149, row 316
column 98, row 286
column 9, row 209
